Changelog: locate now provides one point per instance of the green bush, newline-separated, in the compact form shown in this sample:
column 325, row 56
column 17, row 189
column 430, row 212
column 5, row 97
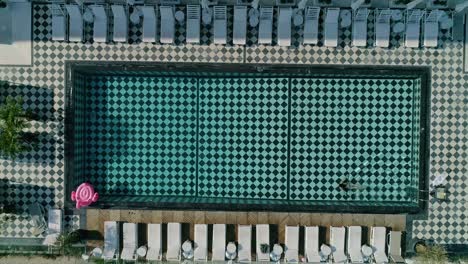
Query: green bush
column 402, row 2
column 440, row 2
column 431, row 254
column 264, row 248
column 65, row 243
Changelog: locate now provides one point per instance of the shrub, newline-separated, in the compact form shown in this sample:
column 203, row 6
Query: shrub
column 65, row 243
column 431, row 254
column 264, row 248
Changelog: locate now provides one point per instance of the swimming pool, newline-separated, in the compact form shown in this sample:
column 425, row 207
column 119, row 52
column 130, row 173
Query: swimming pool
column 249, row 137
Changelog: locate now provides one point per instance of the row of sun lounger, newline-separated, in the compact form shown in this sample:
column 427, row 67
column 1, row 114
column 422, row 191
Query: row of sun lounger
column 345, row 243
column 285, row 14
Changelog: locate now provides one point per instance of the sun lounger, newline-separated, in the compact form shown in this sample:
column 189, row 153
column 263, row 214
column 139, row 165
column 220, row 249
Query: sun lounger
column 154, row 252
column 431, row 29
column 54, row 227
column 311, row 251
column 201, row 243
column 292, row 244
column 111, row 241
column 167, row 24
column 130, row 241
column 120, row 23
column 75, row 23
column 378, row 238
column 58, row 23
column 284, row 26
column 413, row 28
column 193, row 24
column 263, row 237
column 360, row 27
column 100, row 24
column 337, row 241
column 219, row 242
column 240, row 25
column 382, row 28
column 150, row 23
column 311, row 22
column 174, row 241
column 266, row 25
column 244, row 238
column 37, row 214
column 354, row 244
column 331, row 27
column 394, row 247
column 220, row 20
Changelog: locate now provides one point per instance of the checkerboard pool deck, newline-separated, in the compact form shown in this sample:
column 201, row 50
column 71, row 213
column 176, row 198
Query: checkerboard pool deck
column 39, row 176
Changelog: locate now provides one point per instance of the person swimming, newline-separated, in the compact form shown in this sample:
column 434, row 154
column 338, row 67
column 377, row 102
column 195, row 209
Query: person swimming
column 346, row 185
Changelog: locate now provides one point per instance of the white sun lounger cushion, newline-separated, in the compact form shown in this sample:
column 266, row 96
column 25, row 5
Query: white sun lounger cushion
column 240, row 25
column 431, row 29
column 120, row 23
column 174, row 237
column 331, row 27
column 201, row 243
column 55, row 221
column 130, row 241
column 244, row 233
column 413, row 28
column 312, row 253
column 311, row 23
column 263, row 237
column 100, row 24
column 292, row 244
column 150, row 23
column 354, row 244
column 360, row 27
column 54, row 226
column 266, row 25
column 219, row 29
column 219, row 242
column 58, row 23
column 154, row 242
column 284, row 26
column 378, row 241
column 167, row 24
column 394, row 247
column 382, row 28
column 111, row 240
column 193, row 24
column 337, row 241
column 75, row 23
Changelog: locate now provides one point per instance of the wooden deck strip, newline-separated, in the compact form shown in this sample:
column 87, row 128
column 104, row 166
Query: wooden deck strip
column 95, row 220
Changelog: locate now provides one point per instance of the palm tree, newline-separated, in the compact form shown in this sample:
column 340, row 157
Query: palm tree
column 13, row 120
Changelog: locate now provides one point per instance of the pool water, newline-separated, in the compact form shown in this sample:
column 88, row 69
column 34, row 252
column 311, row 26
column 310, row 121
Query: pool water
column 285, row 138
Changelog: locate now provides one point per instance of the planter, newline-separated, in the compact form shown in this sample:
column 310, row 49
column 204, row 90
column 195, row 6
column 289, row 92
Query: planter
column 398, row 3
column 420, row 247
column 367, row 3
column 323, row 2
column 437, row 4
column 264, row 248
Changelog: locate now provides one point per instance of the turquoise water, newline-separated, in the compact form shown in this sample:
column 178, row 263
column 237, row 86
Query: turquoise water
column 268, row 138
